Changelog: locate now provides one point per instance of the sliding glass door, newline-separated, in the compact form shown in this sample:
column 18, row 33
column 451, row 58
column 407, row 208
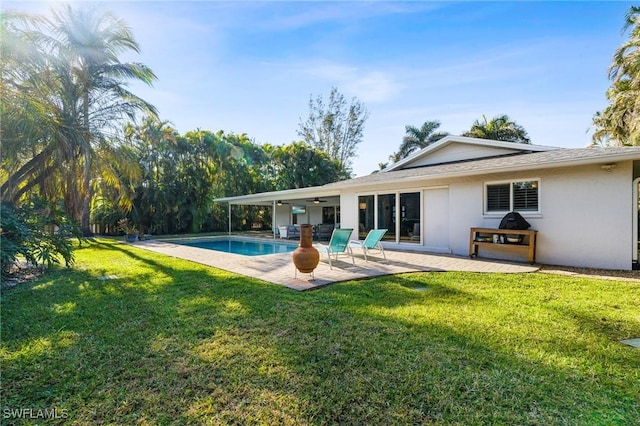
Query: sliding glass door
column 387, row 215
column 399, row 213
column 366, row 215
column 410, row 217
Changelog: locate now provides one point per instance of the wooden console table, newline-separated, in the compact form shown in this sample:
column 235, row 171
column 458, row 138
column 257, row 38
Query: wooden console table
column 497, row 238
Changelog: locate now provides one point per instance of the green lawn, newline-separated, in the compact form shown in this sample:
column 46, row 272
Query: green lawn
column 173, row 342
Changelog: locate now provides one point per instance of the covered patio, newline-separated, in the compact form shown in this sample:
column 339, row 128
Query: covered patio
column 313, row 205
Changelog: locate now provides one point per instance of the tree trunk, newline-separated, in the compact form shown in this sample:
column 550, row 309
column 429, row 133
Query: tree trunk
column 86, row 216
column 85, row 222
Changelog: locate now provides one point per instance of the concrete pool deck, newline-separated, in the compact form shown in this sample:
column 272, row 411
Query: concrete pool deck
column 279, row 269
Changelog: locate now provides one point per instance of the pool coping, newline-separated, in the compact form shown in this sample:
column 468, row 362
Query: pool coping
column 190, row 240
column 278, row 268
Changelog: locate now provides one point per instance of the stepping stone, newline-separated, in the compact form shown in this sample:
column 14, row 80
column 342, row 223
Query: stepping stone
column 108, row 277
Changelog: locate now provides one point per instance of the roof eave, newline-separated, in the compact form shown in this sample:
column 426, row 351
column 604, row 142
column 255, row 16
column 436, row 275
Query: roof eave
column 504, row 169
column 284, row 195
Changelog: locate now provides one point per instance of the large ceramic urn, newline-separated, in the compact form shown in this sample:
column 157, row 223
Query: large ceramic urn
column 306, row 257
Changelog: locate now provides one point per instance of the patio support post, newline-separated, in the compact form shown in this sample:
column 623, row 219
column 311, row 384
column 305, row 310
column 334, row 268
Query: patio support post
column 634, row 222
column 229, row 218
column 273, row 219
column 398, row 218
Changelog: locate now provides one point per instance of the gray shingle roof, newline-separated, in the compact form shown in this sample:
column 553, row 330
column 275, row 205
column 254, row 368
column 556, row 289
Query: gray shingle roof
column 537, row 160
column 562, row 157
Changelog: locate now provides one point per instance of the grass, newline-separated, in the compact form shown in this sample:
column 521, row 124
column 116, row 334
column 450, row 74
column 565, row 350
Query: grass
column 173, row 342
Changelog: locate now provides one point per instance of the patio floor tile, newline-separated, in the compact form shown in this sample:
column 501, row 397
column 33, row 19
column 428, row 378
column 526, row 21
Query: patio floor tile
column 279, row 269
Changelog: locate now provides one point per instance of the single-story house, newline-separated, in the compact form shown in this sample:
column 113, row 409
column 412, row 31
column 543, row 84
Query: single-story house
column 582, row 201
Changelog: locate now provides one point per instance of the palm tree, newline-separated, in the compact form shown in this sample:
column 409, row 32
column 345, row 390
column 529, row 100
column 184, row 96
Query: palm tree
column 499, row 128
column 33, row 150
column 619, row 123
column 417, row 138
column 81, row 81
column 88, row 44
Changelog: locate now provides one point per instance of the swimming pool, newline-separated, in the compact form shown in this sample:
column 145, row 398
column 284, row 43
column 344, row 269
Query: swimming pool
column 243, row 247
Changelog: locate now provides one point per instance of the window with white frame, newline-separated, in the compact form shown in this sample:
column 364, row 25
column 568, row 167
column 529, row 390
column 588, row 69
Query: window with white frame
column 520, row 196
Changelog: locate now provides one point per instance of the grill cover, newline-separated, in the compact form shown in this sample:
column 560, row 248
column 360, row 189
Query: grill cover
column 514, row 220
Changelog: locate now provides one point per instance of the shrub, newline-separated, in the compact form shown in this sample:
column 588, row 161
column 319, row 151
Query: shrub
column 38, row 232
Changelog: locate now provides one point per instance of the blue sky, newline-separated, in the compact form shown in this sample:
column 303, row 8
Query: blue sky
column 250, row 67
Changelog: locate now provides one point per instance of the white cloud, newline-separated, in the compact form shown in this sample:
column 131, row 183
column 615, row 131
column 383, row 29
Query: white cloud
column 373, row 86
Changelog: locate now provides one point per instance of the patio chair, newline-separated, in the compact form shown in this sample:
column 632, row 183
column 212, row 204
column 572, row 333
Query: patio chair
column 293, row 231
column 338, row 244
column 371, row 242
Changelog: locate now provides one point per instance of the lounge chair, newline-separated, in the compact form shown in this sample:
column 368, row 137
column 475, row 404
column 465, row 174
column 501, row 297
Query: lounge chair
column 339, row 243
column 371, row 242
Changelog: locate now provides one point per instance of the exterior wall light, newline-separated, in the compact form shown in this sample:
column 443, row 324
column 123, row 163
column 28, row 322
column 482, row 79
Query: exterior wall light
column 608, row 167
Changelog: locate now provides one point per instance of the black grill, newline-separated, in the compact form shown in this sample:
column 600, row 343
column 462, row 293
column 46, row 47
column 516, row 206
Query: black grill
column 514, row 220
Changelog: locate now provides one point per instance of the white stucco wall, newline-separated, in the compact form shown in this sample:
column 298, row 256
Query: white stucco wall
column 349, row 212
column 283, row 215
column 314, row 215
column 585, row 219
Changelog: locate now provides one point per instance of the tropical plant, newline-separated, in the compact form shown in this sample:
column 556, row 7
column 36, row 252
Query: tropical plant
column 127, row 226
column 619, row 123
column 37, row 232
column 298, row 165
column 104, row 214
column 499, row 128
column 70, row 93
column 335, row 128
column 153, row 146
column 417, row 138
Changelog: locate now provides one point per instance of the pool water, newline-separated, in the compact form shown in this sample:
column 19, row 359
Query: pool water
column 245, row 248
